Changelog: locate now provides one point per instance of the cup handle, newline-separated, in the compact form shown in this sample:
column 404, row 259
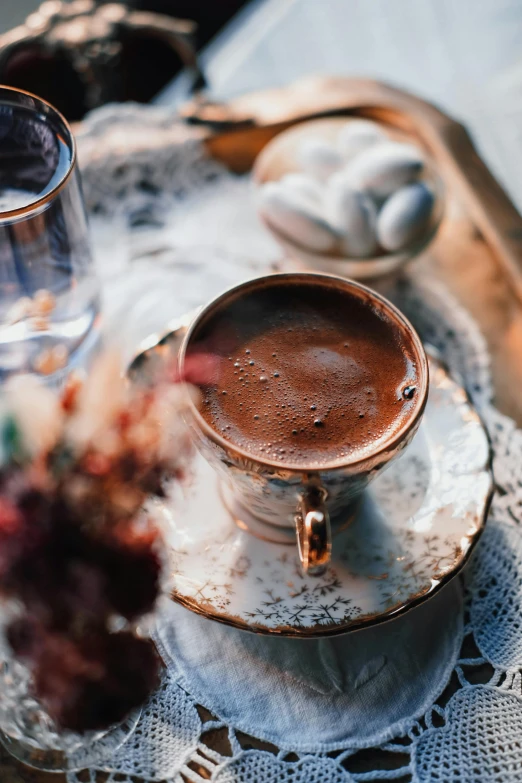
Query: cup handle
column 314, row 536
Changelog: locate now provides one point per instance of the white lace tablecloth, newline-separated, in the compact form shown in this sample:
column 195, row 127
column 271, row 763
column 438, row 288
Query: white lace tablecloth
column 172, row 229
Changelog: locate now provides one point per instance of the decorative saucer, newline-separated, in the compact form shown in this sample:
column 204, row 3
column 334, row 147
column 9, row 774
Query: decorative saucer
column 414, row 531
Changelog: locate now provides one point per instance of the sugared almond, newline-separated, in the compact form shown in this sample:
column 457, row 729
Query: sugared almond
column 354, row 216
column 405, row 216
column 319, row 158
column 382, row 169
column 294, row 218
column 358, row 135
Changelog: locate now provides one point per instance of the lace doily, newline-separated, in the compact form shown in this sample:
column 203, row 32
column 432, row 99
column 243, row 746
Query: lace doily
column 317, row 695
column 172, row 229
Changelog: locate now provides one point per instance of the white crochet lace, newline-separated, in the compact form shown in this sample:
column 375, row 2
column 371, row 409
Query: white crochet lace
column 175, row 229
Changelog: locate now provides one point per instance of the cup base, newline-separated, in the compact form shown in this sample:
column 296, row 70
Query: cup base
column 277, row 534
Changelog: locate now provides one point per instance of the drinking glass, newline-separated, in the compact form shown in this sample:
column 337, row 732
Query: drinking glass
column 29, row 734
column 49, row 293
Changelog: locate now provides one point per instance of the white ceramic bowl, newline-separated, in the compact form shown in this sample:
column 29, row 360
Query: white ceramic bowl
column 279, row 157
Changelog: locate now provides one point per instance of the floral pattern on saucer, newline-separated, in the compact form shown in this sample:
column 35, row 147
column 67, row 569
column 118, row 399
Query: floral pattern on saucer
column 414, row 530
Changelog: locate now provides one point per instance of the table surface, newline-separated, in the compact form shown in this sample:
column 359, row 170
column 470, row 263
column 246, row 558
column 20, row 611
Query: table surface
column 463, row 56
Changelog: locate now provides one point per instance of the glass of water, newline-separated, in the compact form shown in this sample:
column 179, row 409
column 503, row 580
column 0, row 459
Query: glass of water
column 49, row 293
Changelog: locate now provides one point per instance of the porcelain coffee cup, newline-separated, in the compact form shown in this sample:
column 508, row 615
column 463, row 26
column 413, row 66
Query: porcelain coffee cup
column 273, row 499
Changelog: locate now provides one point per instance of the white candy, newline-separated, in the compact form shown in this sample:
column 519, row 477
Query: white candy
column 293, row 217
column 306, row 187
column 354, row 216
column 383, row 168
column 404, row 216
column 333, row 203
column 358, row 135
column 318, row 157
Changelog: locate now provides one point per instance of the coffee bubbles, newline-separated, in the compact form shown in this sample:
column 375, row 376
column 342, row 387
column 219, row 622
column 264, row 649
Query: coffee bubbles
column 409, row 392
column 329, row 389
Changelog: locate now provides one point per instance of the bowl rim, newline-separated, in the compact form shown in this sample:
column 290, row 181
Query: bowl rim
column 385, row 259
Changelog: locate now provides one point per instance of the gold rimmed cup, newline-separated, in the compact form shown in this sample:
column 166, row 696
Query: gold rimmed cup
column 276, row 496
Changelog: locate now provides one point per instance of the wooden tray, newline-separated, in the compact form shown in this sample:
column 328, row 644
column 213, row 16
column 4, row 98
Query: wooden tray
column 477, row 254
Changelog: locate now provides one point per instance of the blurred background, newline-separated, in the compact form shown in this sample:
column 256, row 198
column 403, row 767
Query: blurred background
column 211, row 14
column 463, row 56
column 81, row 54
column 13, row 12
column 69, row 46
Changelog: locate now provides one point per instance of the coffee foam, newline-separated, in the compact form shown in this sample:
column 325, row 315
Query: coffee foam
column 306, row 377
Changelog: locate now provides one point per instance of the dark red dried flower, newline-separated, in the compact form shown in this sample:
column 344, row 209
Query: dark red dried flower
column 24, row 635
column 13, row 533
column 97, row 682
column 134, row 568
column 74, row 552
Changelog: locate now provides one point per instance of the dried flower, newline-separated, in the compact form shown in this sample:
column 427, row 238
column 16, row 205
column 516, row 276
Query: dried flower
column 44, row 302
column 77, row 549
column 99, row 400
column 37, row 412
column 51, row 360
column 39, row 323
